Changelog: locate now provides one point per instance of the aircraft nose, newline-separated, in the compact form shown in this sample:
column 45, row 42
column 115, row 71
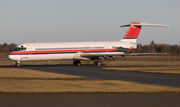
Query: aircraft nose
column 14, row 57
column 11, row 57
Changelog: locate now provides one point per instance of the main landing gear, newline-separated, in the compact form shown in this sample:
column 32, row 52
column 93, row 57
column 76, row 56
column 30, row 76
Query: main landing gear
column 76, row 63
column 17, row 63
column 97, row 62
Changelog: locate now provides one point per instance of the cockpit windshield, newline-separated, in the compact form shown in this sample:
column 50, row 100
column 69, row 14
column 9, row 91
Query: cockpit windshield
column 20, row 48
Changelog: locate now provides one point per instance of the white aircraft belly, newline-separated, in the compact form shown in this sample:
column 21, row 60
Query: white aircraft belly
column 50, row 57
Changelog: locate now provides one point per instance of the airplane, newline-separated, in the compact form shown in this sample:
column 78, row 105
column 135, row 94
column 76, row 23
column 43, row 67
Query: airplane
column 77, row 51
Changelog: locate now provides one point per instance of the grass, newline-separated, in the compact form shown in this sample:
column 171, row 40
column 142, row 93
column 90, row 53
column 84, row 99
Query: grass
column 9, row 84
column 78, row 86
column 19, row 73
column 147, row 60
column 162, row 70
column 107, row 63
column 142, row 63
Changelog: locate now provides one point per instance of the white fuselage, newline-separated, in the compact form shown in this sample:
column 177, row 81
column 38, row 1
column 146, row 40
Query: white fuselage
column 79, row 50
column 66, row 50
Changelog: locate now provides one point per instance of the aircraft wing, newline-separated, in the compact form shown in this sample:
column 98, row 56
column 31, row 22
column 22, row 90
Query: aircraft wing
column 144, row 54
column 97, row 55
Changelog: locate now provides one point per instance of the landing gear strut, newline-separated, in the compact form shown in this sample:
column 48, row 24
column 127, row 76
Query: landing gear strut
column 76, row 63
column 17, row 63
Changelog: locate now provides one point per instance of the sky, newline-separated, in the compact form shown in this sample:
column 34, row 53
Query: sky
column 23, row 21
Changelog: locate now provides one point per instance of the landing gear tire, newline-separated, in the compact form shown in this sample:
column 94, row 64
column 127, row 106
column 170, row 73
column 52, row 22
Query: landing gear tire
column 95, row 62
column 76, row 63
column 17, row 64
column 98, row 63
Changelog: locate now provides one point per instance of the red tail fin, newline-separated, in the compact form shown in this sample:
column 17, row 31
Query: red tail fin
column 134, row 30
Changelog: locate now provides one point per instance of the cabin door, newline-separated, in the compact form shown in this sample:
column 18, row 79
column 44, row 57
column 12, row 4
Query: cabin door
column 107, row 48
column 29, row 49
column 25, row 57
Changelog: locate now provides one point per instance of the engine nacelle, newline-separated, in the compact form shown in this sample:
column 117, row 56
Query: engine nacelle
column 121, row 49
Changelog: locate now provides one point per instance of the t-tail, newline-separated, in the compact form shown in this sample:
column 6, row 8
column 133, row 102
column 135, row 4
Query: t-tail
column 134, row 30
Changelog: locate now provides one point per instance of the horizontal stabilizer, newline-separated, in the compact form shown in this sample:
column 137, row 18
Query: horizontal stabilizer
column 145, row 24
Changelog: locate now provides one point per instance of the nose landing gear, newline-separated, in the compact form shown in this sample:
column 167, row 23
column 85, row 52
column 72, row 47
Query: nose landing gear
column 17, row 63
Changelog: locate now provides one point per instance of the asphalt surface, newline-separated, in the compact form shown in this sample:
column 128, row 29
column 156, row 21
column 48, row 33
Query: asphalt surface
column 96, row 72
column 96, row 100
column 90, row 100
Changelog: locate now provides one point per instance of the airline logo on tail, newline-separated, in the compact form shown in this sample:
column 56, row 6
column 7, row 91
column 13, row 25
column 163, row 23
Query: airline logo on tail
column 134, row 30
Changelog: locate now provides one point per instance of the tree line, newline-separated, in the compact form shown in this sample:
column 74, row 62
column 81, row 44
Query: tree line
column 151, row 48
column 157, row 48
column 7, row 48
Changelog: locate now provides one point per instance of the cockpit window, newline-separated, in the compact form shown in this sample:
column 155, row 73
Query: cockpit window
column 20, row 48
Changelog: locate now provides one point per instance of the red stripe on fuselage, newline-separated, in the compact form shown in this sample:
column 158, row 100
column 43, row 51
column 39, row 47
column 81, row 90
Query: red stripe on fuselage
column 56, row 51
